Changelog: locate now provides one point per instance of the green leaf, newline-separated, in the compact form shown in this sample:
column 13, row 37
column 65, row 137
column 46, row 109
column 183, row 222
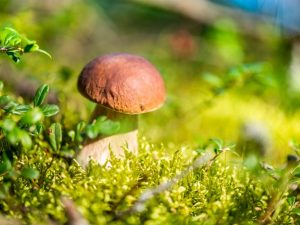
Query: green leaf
column 40, row 95
column 10, row 106
column 4, row 100
column 14, row 56
column 296, row 211
column 16, row 135
column 107, row 127
column 7, row 124
column 7, row 104
column 5, row 187
column 296, row 172
column 50, row 110
column 291, row 200
column 102, row 126
column 30, row 173
column 79, row 129
column 25, row 139
column 20, row 109
column 71, row 134
column 39, row 127
column 55, row 136
column 12, row 38
column 1, row 85
column 5, row 165
column 13, row 31
column 31, row 47
column 8, row 35
column 218, row 144
column 43, row 52
column 13, row 136
column 32, row 117
column 92, row 131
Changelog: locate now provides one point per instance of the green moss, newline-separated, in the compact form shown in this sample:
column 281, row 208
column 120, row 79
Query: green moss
column 215, row 194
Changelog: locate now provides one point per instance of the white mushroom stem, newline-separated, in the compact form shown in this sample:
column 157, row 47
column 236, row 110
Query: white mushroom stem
column 101, row 148
column 295, row 66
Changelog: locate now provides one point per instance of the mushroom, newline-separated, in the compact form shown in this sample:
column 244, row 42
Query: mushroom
column 123, row 86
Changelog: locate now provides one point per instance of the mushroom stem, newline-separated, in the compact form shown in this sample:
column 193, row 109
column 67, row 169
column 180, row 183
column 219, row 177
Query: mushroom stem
column 99, row 149
column 295, row 65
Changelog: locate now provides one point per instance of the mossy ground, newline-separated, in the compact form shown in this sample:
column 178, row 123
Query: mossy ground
column 220, row 193
column 225, row 192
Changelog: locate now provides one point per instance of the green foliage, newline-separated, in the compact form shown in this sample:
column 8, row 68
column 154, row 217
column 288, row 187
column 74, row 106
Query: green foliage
column 40, row 95
column 15, row 45
column 103, row 126
column 37, row 165
column 55, row 136
column 30, row 173
column 254, row 77
column 25, row 154
column 22, row 122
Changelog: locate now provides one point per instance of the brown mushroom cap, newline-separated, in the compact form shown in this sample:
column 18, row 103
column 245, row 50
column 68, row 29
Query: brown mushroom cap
column 123, row 82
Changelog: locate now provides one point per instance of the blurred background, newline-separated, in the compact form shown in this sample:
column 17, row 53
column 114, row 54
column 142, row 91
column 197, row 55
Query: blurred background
column 231, row 68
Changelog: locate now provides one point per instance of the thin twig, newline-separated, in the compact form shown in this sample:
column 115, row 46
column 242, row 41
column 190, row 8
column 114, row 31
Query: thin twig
column 269, row 169
column 73, row 215
column 17, row 49
column 276, row 200
column 139, row 205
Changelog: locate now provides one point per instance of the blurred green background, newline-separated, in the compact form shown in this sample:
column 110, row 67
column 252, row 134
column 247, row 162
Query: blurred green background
column 219, row 78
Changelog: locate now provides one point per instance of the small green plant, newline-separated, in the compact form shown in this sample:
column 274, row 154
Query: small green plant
column 254, row 76
column 30, row 145
column 15, row 45
column 21, row 126
column 22, row 122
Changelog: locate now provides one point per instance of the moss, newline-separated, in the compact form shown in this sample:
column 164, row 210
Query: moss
column 215, row 194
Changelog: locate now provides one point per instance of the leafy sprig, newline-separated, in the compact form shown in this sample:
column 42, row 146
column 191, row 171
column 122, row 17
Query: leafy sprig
column 22, row 121
column 15, row 45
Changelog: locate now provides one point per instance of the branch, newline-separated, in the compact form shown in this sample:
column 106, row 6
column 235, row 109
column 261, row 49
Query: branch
column 276, row 201
column 148, row 194
column 73, row 215
column 269, row 171
column 16, row 49
column 285, row 183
